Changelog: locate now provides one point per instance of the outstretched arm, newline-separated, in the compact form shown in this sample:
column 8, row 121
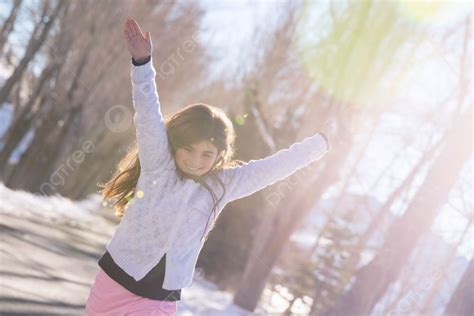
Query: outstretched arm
column 150, row 127
column 256, row 175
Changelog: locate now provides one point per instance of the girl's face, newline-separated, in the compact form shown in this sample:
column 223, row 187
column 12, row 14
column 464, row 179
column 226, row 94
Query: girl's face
column 196, row 159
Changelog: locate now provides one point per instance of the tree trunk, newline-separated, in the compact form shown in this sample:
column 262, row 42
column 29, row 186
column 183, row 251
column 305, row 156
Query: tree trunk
column 8, row 25
column 385, row 209
column 22, row 122
column 461, row 302
column 33, row 169
column 286, row 220
column 36, row 41
column 373, row 280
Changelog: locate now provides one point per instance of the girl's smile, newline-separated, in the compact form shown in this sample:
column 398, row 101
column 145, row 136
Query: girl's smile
column 191, row 168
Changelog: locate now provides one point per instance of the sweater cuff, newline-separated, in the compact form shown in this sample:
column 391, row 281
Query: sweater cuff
column 144, row 72
column 325, row 139
column 143, row 62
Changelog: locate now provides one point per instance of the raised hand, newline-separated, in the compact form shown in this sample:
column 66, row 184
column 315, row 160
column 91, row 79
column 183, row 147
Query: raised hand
column 139, row 46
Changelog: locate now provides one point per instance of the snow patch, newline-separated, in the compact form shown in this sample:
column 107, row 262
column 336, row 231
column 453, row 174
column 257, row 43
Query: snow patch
column 54, row 208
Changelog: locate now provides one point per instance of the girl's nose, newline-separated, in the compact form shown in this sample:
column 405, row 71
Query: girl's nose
column 193, row 163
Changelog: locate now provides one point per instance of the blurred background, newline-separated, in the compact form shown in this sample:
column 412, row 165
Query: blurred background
column 381, row 225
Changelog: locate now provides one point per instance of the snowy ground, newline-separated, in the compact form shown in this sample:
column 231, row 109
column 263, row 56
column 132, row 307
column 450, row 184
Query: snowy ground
column 50, row 247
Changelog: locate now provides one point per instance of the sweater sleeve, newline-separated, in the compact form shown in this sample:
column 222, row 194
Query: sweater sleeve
column 256, row 175
column 152, row 139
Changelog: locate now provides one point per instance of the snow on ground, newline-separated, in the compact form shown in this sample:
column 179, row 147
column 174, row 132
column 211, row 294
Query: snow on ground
column 57, row 208
column 204, row 298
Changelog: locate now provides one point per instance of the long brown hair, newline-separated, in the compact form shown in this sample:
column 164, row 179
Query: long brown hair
column 194, row 123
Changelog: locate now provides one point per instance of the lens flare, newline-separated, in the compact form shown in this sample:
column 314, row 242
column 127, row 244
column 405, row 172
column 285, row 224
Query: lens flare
column 240, row 119
column 435, row 12
column 361, row 53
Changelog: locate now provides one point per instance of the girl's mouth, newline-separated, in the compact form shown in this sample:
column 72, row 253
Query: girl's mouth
column 192, row 169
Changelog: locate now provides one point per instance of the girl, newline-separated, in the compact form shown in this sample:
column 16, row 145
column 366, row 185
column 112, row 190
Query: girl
column 169, row 191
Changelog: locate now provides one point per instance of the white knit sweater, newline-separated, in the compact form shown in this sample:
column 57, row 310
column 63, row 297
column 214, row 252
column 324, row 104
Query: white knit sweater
column 168, row 215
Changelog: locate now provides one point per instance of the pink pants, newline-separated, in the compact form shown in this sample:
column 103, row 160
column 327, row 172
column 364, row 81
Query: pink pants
column 108, row 297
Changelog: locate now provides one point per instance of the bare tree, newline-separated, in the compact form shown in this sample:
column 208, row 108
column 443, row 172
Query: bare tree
column 9, row 24
column 373, row 279
column 340, row 104
column 22, row 122
column 37, row 105
column 37, row 39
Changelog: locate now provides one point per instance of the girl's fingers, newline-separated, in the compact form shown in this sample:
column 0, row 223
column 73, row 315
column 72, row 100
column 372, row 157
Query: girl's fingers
column 132, row 27
column 125, row 31
column 129, row 31
column 136, row 28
